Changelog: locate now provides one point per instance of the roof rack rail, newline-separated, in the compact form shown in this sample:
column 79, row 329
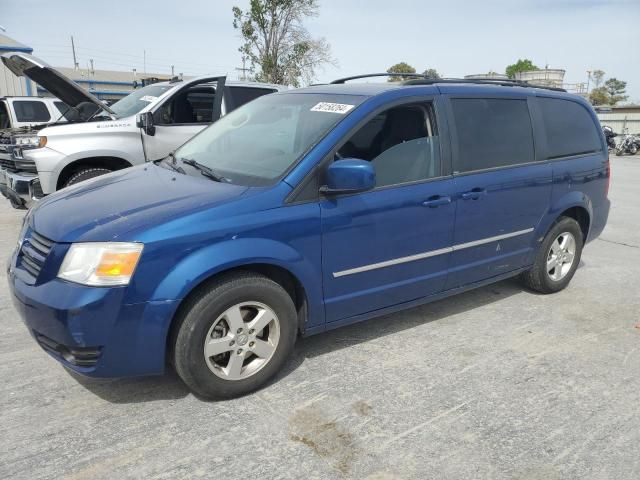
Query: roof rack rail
column 369, row 75
column 482, row 81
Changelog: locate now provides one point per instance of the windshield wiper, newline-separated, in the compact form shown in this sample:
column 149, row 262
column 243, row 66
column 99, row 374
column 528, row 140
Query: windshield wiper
column 204, row 170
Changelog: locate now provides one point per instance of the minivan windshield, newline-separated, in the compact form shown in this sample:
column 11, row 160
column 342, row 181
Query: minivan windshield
column 257, row 143
column 138, row 99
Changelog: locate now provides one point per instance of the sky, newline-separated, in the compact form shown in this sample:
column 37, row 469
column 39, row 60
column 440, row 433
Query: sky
column 456, row 37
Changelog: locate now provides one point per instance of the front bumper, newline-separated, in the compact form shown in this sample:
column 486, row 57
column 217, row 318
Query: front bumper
column 93, row 331
column 22, row 189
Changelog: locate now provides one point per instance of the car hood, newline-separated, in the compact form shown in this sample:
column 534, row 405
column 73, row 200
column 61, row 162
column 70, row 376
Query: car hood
column 107, row 207
column 22, row 64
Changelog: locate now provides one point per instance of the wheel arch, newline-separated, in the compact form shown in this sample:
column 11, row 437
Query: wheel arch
column 109, row 162
column 282, row 276
column 575, row 205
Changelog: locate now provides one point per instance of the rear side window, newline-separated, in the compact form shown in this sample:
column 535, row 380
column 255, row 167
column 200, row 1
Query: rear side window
column 491, row 133
column 31, row 111
column 241, row 95
column 569, row 128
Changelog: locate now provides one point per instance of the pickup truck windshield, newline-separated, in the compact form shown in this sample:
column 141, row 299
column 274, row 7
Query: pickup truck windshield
column 255, row 144
column 138, row 99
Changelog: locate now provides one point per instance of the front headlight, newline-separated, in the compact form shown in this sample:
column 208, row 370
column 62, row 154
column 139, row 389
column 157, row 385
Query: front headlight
column 30, row 141
column 101, row 264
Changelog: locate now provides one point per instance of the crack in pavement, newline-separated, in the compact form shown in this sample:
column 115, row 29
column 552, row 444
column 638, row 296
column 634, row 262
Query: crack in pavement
column 619, row 243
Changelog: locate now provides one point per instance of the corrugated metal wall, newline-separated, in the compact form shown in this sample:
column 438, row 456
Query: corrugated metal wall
column 621, row 122
column 12, row 85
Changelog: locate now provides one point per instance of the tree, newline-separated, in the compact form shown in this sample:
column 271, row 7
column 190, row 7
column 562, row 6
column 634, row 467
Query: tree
column 401, row 67
column 276, row 41
column 431, row 73
column 522, row 65
column 598, row 77
column 599, row 96
column 616, row 90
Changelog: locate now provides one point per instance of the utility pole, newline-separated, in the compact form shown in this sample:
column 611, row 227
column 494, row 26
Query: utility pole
column 91, row 62
column 73, row 49
column 144, row 61
column 244, row 70
column 172, row 71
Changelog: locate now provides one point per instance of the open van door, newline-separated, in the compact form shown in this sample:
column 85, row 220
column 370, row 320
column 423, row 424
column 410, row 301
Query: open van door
column 179, row 117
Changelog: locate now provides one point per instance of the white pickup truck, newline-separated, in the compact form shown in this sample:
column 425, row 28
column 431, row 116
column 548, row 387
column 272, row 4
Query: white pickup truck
column 94, row 139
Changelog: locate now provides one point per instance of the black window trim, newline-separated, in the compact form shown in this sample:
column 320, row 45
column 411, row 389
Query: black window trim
column 538, row 160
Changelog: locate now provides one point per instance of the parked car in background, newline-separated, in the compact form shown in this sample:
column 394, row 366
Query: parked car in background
column 96, row 139
column 305, row 211
column 19, row 115
column 18, row 112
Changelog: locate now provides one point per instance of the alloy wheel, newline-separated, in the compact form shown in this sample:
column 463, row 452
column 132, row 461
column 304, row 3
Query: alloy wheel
column 561, row 256
column 242, row 340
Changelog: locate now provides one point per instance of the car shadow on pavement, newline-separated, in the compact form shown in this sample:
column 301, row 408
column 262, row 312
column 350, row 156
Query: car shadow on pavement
column 170, row 387
column 377, row 328
column 136, row 389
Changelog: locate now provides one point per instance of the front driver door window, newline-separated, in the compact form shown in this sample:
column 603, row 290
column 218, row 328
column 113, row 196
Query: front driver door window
column 179, row 118
column 389, row 245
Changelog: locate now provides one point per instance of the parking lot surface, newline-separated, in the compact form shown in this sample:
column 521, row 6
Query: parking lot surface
column 497, row 383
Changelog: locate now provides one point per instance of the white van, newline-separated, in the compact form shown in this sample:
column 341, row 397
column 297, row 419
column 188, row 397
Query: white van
column 94, row 139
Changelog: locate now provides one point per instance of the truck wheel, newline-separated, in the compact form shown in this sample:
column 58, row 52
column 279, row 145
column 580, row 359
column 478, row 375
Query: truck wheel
column 85, row 174
column 234, row 335
column 557, row 258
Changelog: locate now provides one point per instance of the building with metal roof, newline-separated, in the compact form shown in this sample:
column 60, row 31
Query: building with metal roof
column 10, row 85
column 109, row 85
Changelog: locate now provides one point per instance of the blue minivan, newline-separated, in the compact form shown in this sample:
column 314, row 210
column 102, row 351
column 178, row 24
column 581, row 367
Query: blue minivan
column 307, row 210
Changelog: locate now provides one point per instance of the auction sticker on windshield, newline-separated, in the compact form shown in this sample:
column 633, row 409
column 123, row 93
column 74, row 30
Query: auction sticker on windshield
column 148, row 98
column 340, row 108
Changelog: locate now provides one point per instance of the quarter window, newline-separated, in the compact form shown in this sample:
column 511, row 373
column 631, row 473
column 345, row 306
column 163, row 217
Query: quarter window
column 241, row 95
column 402, row 144
column 569, row 128
column 491, row 133
column 31, row 111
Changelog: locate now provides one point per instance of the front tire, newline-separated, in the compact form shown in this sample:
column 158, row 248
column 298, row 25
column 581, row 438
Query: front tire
column 234, row 335
column 85, row 174
column 557, row 258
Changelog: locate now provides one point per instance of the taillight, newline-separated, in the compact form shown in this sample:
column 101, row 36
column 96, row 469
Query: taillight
column 606, row 190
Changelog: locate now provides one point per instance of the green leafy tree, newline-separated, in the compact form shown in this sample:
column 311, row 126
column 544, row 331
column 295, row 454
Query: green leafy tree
column 522, row 65
column 401, row 67
column 277, row 43
column 599, row 96
column 616, row 90
column 431, row 73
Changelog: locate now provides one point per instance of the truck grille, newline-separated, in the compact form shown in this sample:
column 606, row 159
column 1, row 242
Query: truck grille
column 33, row 253
column 8, row 163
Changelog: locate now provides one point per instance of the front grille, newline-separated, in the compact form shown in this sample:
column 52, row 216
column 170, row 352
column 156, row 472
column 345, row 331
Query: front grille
column 34, row 252
column 8, row 164
column 79, row 356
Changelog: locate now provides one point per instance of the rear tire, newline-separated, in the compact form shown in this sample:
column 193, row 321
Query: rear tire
column 85, row 174
column 557, row 258
column 217, row 353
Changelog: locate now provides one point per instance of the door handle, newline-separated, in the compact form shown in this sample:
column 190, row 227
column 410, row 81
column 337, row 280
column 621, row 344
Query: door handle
column 437, row 201
column 474, row 194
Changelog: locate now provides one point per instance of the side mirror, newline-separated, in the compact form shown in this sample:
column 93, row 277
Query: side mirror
column 145, row 122
column 349, row 175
